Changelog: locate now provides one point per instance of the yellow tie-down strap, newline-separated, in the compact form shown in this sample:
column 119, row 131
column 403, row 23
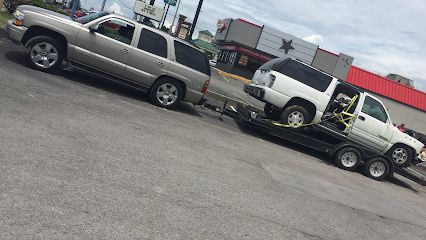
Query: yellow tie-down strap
column 343, row 117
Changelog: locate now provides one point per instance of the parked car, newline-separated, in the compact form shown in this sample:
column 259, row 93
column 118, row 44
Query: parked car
column 296, row 93
column 77, row 13
column 213, row 63
column 116, row 47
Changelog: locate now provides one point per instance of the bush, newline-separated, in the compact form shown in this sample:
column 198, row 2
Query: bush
column 11, row 5
column 39, row 3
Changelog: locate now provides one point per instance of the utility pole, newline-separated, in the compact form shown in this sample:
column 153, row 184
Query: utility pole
column 174, row 18
column 74, row 7
column 103, row 5
column 200, row 4
column 146, row 20
column 164, row 16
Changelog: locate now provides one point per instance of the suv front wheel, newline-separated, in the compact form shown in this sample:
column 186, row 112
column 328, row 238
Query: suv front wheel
column 44, row 53
column 166, row 93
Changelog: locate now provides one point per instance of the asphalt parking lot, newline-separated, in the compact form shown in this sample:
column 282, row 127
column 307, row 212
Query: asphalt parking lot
column 83, row 158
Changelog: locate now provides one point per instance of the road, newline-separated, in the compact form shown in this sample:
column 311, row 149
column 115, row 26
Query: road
column 83, row 158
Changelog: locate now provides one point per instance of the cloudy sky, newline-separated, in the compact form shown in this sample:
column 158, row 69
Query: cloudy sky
column 384, row 36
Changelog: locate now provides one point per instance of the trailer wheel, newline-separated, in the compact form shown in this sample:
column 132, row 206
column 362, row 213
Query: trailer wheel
column 271, row 112
column 401, row 155
column 348, row 158
column 295, row 116
column 377, row 168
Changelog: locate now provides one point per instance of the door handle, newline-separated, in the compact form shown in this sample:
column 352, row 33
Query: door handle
column 160, row 63
column 361, row 118
column 125, row 51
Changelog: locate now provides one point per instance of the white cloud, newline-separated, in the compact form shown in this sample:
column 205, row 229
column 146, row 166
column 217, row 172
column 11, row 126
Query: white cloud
column 383, row 35
column 315, row 39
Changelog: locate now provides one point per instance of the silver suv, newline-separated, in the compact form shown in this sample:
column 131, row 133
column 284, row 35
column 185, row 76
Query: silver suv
column 111, row 45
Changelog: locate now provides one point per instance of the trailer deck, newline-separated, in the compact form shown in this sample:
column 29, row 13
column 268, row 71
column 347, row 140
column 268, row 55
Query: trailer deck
column 321, row 137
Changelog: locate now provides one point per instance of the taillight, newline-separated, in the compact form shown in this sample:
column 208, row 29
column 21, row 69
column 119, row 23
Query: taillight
column 271, row 80
column 206, row 85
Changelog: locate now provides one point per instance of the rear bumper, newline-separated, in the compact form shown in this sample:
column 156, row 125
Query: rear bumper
column 15, row 33
column 193, row 96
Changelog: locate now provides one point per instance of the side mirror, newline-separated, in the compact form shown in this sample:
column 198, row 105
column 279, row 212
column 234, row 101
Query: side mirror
column 94, row 28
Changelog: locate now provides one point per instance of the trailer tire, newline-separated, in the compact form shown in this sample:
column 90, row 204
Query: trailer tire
column 295, row 115
column 348, row 158
column 271, row 112
column 401, row 155
column 377, row 168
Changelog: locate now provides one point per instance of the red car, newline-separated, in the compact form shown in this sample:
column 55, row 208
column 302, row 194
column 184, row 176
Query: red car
column 77, row 13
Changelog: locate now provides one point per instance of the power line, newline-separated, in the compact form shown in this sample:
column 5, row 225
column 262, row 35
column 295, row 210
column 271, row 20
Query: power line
column 125, row 5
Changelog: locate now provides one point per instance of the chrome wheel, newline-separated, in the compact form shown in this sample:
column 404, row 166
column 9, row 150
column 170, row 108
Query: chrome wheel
column 349, row 159
column 377, row 169
column 400, row 155
column 167, row 94
column 44, row 55
column 295, row 118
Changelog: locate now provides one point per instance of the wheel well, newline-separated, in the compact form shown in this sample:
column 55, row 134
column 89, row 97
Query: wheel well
column 310, row 107
column 338, row 148
column 41, row 31
column 413, row 151
column 181, row 83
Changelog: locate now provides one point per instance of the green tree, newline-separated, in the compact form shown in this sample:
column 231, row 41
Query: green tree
column 11, row 5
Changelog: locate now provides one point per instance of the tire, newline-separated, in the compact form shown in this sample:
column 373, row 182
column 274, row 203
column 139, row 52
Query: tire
column 377, row 169
column 271, row 112
column 295, row 115
column 44, row 53
column 166, row 93
column 348, row 158
column 400, row 155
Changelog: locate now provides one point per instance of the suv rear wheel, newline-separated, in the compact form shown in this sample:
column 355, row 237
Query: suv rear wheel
column 295, row 115
column 44, row 53
column 166, row 93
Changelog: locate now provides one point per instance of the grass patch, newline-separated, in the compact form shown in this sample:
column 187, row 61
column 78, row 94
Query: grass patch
column 4, row 17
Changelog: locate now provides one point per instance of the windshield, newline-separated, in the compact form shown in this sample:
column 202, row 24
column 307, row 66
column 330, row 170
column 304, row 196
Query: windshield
column 91, row 17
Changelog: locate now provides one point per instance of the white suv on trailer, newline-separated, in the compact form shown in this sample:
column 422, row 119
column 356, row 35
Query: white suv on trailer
column 296, row 93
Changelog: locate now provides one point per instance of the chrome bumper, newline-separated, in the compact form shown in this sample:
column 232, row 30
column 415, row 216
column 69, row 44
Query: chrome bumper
column 15, row 33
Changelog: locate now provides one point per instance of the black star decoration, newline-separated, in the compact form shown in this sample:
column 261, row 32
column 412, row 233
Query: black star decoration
column 287, row 46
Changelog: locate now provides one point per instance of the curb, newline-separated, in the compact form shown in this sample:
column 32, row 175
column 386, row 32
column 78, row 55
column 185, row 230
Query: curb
column 233, row 76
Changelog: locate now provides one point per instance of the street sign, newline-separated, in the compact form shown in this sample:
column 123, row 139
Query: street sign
column 146, row 10
column 171, row 2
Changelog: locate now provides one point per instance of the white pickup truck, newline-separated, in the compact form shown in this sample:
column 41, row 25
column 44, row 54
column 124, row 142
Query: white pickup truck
column 296, row 93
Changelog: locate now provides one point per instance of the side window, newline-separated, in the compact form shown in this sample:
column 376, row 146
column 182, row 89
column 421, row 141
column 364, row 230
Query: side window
column 117, row 29
column 153, row 43
column 306, row 75
column 191, row 58
column 375, row 109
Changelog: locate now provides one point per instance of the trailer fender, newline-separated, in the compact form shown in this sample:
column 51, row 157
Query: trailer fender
column 336, row 148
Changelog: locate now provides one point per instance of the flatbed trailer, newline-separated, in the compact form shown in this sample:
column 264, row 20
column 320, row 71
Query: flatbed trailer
column 323, row 137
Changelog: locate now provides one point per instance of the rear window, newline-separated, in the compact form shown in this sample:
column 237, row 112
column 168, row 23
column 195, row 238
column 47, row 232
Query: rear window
column 192, row 58
column 272, row 64
column 304, row 74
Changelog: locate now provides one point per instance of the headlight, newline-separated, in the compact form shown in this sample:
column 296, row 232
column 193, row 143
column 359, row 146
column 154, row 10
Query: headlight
column 422, row 155
column 18, row 19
